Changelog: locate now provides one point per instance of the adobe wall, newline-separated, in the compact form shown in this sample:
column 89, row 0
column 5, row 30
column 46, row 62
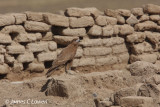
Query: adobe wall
column 31, row 41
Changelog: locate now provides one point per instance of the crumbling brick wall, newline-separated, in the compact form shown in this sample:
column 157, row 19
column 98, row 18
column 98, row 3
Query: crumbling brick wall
column 31, row 40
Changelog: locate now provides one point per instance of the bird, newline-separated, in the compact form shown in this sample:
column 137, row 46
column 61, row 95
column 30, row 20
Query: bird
column 65, row 57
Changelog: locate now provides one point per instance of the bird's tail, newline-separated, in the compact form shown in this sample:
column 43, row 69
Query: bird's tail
column 50, row 71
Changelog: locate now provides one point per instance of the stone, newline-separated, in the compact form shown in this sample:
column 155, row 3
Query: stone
column 155, row 79
column 84, row 21
column 153, row 37
column 9, row 59
column 1, row 59
column 123, row 58
column 142, row 48
column 15, row 49
column 37, row 47
column 75, row 63
column 74, row 32
column 79, row 52
column 101, row 21
column 7, row 20
column 120, row 19
column 15, row 29
column 136, row 37
column 132, row 20
column 26, row 57
column 142, row 68
column 47, row 56
column 152, row 9
column 17, row 67
column 137, row 101
column 108, row 60
column 20, row 18
column 125, row 29
column 36, row 26
column 52, row 46
column 154, row 17
column 143, row 57
column 91, row 42
column 34, row 16
column 147, row 25
column 116, row 29
column 28, row 37
column 137, row 11
column 56, row 20
column 87, row 61
column 2, row 49
column 4, row 69
column 119, row 49
column 143, row 18
column 36, row 67
column 112, row 41
column 108, row 30
column 63, row 40
column 124, row 12
column 48, row 36
column 94, row 12
column 102, row 103
column 5, row 39
column 111, row 13
column 95, row 31
column 94, row 51
column 111, row 20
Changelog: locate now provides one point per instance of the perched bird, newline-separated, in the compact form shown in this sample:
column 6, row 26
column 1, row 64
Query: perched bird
column 65, row 57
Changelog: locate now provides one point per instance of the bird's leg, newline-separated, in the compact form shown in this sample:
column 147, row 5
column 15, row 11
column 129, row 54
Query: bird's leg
column 68, row 65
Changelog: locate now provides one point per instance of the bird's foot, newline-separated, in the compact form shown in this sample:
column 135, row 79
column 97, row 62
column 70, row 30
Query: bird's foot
column 70, row 72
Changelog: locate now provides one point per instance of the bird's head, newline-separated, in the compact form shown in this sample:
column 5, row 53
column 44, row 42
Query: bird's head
column 75, row 41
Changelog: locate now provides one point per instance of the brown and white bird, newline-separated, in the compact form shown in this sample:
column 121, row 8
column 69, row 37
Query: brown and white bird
column 65, row 57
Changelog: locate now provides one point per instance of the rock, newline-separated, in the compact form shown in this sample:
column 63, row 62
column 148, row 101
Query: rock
column 155, row 79
column 102, row 103
column 84, row 21
column 5, row 39
column 123, row 58
column 56, row 20
column 47, row 56
column 91, row 42
column 111, row 13
column 2, row 49
column 108, row 30
column 132, row 20
column 9, row 59
column 137, row 101
column 153, row 37
column 143, row 57
column 26, row 57
column 87, row 61
column 36, row 67
column 147, row 25
column 126, row 29
column 28, row 37
column 136, row 37
column 111, row 20
column 1, row 59
column 154, row 17
column 112, row 41
column 124, row 12
column 94, row 12
column 74, row 32
column 120, row 19
column 20, row 18
column 107, row 60
column 152, row 9
column 36, row 26
column 142, row 68
column 37, row 47
column 137, row 11
column 15, row 49
column 115, row 29
column 34, row 16
column 101, row 21
column 17, row 67
column 47, row 36
column 79, row 52
column 94, row 51
column 119, row 49
column 13, row 29
column 95, row 31
column 143, row 18
column 52, row 45
column 4, row 69
column 7, row 20
column 141, row 48
column 63, row 40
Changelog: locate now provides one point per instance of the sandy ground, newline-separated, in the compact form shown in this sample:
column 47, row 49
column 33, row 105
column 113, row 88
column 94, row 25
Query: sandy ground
column 8, row 6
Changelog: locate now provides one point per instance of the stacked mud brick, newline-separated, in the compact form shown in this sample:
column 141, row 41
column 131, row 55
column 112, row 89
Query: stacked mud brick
column 31, row 40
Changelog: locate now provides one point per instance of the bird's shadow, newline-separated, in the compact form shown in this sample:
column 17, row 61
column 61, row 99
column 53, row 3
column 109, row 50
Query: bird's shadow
column 44, row 87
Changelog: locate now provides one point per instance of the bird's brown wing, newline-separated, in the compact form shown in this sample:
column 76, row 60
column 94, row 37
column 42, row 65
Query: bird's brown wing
column 66, row 54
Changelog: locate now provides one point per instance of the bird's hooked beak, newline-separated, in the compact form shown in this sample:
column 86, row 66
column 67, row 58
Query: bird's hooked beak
column 78, row 40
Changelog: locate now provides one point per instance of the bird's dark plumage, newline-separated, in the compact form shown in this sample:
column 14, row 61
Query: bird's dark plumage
column 65, row 57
